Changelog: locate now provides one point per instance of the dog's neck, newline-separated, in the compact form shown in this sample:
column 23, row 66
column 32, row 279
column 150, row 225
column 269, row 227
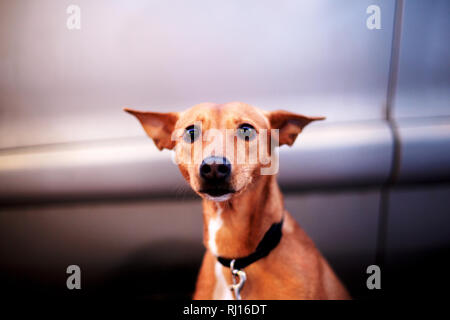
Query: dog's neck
column 233, row 228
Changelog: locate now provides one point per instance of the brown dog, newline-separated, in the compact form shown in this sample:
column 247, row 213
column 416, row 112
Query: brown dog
column 245, row 223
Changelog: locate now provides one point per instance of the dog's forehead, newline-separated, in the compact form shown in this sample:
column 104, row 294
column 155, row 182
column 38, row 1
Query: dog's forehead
column 223, row 115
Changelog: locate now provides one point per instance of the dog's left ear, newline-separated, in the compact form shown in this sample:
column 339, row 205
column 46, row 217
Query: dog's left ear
column 289, row 124
column 158, row 126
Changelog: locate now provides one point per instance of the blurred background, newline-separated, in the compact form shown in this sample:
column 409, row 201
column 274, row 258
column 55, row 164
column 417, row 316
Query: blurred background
column 81, row 184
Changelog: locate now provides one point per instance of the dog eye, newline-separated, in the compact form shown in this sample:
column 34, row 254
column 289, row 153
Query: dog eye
column 191, row 134
column 246, row 132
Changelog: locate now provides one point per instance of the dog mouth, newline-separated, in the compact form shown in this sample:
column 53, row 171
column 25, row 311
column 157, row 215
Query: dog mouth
column 213, row 193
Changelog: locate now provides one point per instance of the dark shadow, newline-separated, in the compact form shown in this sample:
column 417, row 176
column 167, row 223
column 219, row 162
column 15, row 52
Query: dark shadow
column 160, row 270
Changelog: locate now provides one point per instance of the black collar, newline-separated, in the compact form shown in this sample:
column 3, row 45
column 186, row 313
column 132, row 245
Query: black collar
column 270, row 240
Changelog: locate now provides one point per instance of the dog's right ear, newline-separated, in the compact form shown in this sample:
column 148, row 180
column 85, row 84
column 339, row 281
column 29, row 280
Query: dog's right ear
column 158, row 126
column 289, row 124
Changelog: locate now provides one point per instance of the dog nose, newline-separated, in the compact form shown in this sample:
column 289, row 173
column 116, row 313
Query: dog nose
column 215, row 168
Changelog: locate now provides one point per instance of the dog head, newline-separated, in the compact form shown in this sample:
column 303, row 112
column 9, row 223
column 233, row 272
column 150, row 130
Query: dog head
column 221, row 150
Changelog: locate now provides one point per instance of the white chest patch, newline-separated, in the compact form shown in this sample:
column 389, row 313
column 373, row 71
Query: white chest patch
column 221, row 290
column 214, row 226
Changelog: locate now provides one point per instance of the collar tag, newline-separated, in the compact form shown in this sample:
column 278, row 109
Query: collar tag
column 236, row 287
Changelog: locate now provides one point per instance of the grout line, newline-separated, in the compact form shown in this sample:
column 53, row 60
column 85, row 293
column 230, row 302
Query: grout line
column 391, row 92
column 396, row 143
